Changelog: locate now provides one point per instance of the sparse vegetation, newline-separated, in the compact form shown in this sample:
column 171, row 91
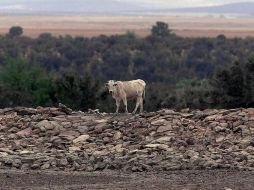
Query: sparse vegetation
column 180, row 72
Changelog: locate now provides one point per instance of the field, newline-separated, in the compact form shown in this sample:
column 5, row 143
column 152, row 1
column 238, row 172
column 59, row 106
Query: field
column 175, row 180
column 187, row 26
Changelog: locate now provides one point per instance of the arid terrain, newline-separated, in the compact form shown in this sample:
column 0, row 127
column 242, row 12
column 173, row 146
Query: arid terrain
column 187, row 26
column 57, row 148
column 173, row 180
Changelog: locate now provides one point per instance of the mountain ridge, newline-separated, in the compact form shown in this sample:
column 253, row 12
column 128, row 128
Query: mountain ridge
column 79, row 7
column 113, row 7
column 246, row 8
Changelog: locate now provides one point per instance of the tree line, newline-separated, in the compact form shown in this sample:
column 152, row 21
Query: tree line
column 180, row 72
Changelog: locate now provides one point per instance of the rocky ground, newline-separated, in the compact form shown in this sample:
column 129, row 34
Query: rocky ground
column 58, row 139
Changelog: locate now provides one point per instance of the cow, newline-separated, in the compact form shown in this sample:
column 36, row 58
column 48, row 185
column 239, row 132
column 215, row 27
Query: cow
column 124, row 90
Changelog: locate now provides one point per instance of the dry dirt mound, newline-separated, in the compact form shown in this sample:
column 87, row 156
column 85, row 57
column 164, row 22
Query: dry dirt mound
column 58, row 139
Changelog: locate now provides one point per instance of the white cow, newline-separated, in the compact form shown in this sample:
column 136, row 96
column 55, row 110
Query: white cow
column 124, row 90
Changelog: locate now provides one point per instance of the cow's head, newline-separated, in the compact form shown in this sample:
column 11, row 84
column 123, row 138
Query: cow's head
column 112, row 86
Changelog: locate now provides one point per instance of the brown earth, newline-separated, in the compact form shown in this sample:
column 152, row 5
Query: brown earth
column 173, row 180
column 89, row 26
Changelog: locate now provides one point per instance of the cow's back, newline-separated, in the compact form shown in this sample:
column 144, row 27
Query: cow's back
column 133, row 88
column 141, row 82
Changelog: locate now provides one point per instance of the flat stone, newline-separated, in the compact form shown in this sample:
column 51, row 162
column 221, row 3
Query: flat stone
column 16, row 163
column 163, row 139
column 220, row 139
column 100, row 153
column 82, row 129
column 45, row 166
column 213, row 117
column 23, row 152
column 2, row 127
column 119, row 148
column 158, row 146
column 7, row 150
column 117, row 135
column 245, row 130
column 192, row 154
column 101, row 121
column 4, row 154
column 100, row 127
column 245, row 142
column 74, row 117
column 47, row 125
column 74, row 149
column 158, row 122
column 25, row 133
column 164, row 128
column 66, row 124
column 81, row 138
column 219, row 129
column 69, row 135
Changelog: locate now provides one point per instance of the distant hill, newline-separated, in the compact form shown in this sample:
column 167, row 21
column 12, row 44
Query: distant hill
column 110, row 7
column 53, row 7
column 245, row 8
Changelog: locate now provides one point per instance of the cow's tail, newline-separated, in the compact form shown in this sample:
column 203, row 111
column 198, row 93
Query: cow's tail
column 144, row 95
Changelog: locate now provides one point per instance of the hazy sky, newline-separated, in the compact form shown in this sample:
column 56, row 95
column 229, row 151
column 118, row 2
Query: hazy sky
column 20, row 4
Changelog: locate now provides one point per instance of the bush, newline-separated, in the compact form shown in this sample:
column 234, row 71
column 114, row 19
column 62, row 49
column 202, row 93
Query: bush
column 23, row 84
column 15, row 31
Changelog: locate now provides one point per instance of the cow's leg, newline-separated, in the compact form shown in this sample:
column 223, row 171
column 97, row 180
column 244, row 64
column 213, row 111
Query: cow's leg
column 125, row 104
column 141, row 105
column 137, row 104
column 117, row 105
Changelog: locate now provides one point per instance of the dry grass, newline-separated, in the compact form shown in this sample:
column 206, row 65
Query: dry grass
column 187, row 26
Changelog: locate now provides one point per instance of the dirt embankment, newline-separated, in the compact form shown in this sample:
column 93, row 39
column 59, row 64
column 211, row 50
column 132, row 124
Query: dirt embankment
column 194, row 149
column 58, row 139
